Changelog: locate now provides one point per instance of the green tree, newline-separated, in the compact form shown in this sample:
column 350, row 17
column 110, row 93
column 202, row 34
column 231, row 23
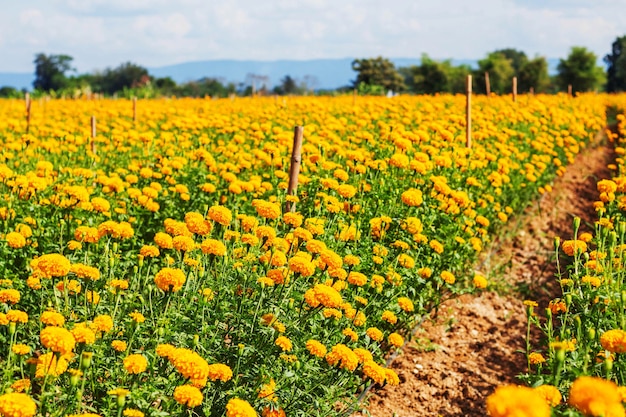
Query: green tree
column 534, row 74
column 616, row 66
column 429, row 77
column 125, row 76
column 500, row 69
column 50, row 71
column 377, row 72
column 580, row 71
column 10, row 92
column 287, row 85
column 518, row 58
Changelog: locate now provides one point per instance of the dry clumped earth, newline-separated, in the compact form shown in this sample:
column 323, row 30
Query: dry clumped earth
column 476, row 342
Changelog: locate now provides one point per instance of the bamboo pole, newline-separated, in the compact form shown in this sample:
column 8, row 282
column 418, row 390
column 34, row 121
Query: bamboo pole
column 468, row 113
column 487, row 84
column 514, row 89
column 294, row 168
column 93, row 134
column 134, row 109
column 28, row 102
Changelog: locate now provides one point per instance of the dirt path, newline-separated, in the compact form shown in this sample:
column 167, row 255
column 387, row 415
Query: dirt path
column 473, row 346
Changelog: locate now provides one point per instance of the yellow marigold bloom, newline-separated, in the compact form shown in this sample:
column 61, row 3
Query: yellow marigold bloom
column 551, row 394
column 510, row 400
column 349, row 232
column 436, row 246
column 359, row 319
column 74, row 245
column 374, row 334
column 33, row 283
column 406, row 304
column 15, row 240
column 284, row 343
column 220, row 371
column 20, row 349
column 570, row 247
column 374, row 371
column 163, row 240
column 406, row 261
column 9, row 296
column 170, row 279
column 21, row 385
column 57, row 339
column 266, row 392
column 447, row 276
column 585, row 237
column 103, row 323
column 87, row 234
column 351, row 260
column 364, row 355
column 149, row 251
column 52, row 265
column 47, row 364
column 389, row 317
column 17, row 316
column 480, row 281
column 536, row 358
column 220, row 214
column 183, row 243
column 137, row 317
column 596, row 397
column 189, row 364
column 614, row 341
column 213, row 247
column 342, row 356
column 101, row 205
column 239, row 408
column 351, row 334
column 131, row 412
column 3, row 319
column 412, row 197
column 357, row 278
column 316, row 348
column 346, row 190
column 119, row 345
column 83, row 334
column 188, row 395
column 392, row 377
column 293, row 219
column 85, row 271
column 165, row 350
column 197, row 224
column 135, row 364
column 396, row 340
column 17, row 405
column 324, row 295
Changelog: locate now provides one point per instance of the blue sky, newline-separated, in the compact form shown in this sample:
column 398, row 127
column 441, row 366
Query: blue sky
column 105, row 33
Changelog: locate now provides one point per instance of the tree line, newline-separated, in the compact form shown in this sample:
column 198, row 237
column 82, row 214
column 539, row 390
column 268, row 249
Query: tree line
column 578, row 71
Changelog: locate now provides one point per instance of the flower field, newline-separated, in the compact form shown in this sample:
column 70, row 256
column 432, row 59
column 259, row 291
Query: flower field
column 155, row 270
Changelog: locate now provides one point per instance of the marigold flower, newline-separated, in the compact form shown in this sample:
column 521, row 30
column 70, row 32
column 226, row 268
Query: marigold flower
column 85, row 271
column 103, row 323
column 189, row 363
column 536, row 358
column 83, row 334
column 9, row 296
column 188, row 395
column 213, row 247
column 316, row 348
column 149, row 251
column 374, row 371
column 119, row 345
column 132, row 412
column 15, row 240
column 220, row 214
column 163, row 240
column 273, row 412
column 614, row 341
column 267, row 391
column 570, row 247
column 596, row 397
column 239, row 408
column 374, row 333
column 343, row 356
column 447, row 276
column 220, row 371
column 170, row 279
column 284, row 343
column 21, row 385
column 510, row 400
column 395, row 339
column 17, row 316
column 551, row 394
column 357, row 278
column 480, row 281
column 52, row 265
column 47, row 364
column 57, row 339
column 20, row 349
column 406, row 304
column 412, row 197
column 87, row 234
column 135, row 364
column 17, row 404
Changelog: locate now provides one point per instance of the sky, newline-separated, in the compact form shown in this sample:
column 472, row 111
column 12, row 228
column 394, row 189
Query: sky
column 101, row 34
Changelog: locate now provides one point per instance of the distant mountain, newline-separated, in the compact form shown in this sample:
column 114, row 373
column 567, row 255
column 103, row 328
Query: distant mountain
column 320, row 73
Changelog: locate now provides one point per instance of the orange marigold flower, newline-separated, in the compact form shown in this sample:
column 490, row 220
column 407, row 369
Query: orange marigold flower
column 119, row 345
column 406, row 304
column 480, row 281
column 85, row 272
column 87, row 234
column 9, row 296
column 447, row 276
column 343, row 356
column 536, row 358
column 52, row 265
column 83, row 334
column 614, row 341
column 16, row 404
column 48, row 364
column 570, row 247
column 510, row 400
column 374, row 371
column 149, row 251
column 220, row 214
column 135, row 364
column 213, row 247
column 239, row 408
column 20, row 349
column 57, row 339
column 395, row 339
column 163, row 240
column 188, row 395
column 220, row 371
column 284, row 343
column 596, row 397
column 17, row 316
column 170, row 279
column 103, row 323
column 273, row 412
column 551, row 394
column 374, row 333
column 266, row 209
column 15, row 240
column 315, row 348
column 412, row 197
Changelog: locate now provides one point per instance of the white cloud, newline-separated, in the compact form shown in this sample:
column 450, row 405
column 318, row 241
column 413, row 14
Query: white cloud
column 101, row 33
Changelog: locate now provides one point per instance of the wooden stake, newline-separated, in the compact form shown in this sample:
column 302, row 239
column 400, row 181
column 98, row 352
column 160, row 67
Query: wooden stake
column 532, row 91
column 134, row 109
column 294, row 169
column 93, row 134
column 354, row 97
column 28, row 103
column 468, row 113
column 569, row 89
column 487, row 84
column 514, row 89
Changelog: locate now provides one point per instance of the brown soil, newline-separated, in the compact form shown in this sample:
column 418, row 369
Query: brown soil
column 476, row 343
